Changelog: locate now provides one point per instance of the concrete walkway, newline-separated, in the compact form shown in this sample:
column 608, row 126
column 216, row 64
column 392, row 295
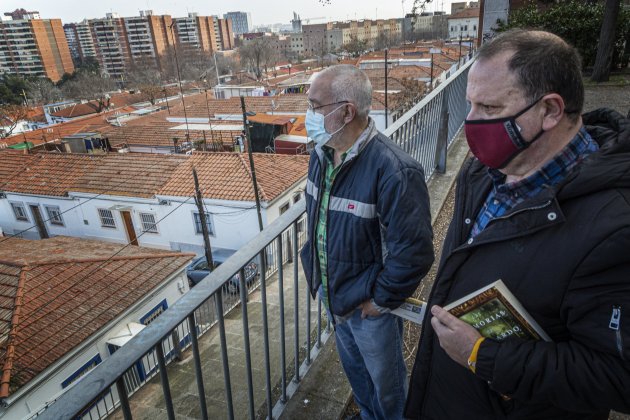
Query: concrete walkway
column 148, row 402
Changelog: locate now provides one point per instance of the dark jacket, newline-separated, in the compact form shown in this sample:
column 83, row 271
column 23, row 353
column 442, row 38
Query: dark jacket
column 565, row 255
column 379, row 236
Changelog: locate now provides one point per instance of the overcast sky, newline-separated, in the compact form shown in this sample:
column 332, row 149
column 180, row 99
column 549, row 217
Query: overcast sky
column 263, row 11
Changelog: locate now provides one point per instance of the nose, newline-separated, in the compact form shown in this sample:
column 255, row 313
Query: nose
column 472, row 113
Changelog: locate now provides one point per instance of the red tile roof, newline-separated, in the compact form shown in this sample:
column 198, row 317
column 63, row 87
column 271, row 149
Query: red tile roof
column 224, row 176
column 55, row 293
column 130, row 174
column 227, row 176
column 51, row 174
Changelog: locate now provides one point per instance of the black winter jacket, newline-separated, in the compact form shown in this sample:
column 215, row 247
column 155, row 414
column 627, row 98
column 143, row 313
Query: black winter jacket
column 565, row 255
column 378, row 226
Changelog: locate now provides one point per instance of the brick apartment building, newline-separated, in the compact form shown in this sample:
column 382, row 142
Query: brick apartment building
column 31, row 46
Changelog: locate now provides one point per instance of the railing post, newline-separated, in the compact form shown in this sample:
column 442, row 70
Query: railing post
column 442, row 140
column 124, row 399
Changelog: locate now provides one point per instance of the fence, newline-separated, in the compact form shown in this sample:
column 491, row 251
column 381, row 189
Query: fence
column 425, row 132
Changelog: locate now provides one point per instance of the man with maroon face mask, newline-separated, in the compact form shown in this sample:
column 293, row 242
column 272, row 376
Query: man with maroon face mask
column 544, row 206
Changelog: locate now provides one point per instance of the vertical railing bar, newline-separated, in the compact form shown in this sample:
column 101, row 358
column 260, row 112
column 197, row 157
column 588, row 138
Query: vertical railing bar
column 296, row 312
column 248, row 355
column 319, row 323
column 283, row 367
column 198, row 372
column 218, row 303
column 307, row 331
column 124, row 399
column 164, row 379
column 98, row 411
column 263, row 293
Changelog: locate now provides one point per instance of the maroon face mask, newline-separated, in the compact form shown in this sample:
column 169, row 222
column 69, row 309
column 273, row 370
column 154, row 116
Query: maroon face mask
column 497, row 141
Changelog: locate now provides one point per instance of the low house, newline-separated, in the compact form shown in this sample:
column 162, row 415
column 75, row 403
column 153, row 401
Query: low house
column 145, row 199
column 67, row 304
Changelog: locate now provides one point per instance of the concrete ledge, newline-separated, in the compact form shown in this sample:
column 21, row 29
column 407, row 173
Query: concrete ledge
column 440, row 184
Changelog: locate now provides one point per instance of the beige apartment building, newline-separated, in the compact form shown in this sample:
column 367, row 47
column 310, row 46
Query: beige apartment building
column 322, row 38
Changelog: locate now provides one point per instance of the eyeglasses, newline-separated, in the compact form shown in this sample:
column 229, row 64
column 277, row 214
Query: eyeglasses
column 313, row 108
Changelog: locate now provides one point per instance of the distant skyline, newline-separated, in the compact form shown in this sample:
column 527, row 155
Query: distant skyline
column 263, row 12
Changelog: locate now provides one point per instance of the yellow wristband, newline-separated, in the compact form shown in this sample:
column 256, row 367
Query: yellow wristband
column 472, row 359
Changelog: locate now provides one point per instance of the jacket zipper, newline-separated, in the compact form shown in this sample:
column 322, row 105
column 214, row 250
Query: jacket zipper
column 615, row 324
column 316, row 257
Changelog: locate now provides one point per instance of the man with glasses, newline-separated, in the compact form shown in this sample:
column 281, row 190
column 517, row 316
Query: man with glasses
column 369, row 236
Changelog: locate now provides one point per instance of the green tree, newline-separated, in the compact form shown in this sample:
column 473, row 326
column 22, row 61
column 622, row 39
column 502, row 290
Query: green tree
column 578, row 22
column 12, row 89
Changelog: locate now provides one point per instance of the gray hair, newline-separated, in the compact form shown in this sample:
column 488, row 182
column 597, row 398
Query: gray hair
column 348, row 83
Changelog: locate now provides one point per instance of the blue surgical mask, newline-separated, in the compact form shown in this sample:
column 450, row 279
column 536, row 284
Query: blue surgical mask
column 316, row 128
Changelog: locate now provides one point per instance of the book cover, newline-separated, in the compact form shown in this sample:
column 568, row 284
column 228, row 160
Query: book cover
column 412, row 310
column 496, row 313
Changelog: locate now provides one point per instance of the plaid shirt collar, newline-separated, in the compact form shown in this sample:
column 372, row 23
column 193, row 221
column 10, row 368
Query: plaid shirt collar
column 504, row 197
column 552, row 173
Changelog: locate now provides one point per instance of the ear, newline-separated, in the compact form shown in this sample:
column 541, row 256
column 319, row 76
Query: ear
column 553, row 110
column 349, row 113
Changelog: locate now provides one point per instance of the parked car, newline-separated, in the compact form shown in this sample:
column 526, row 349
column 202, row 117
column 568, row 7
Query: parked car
column 198, row 269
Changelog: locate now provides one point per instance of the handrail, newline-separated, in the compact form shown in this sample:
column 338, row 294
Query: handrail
column 106, row 374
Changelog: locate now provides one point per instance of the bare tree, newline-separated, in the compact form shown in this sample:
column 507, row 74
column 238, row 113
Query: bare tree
column 92, row 88
column 43, row 91
column 10, row 117
column 356, row 46
column 256, row 55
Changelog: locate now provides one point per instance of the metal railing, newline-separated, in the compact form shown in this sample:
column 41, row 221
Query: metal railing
column 427, row 129
column 425, row 132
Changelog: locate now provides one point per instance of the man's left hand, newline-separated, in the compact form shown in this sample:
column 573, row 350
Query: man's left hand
column 457, row 338
column 368, row 309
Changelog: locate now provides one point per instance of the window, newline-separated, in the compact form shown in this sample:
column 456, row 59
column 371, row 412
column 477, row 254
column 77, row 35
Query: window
column 148, row 223
column 284, row 208
column 197, row 218
column 154, row 313
column 20, row 212
column 82, row 371
column 297, row 197
column 54, row 215
column 107, row 218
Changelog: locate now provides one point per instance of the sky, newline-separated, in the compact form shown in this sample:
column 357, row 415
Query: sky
column 262, row 11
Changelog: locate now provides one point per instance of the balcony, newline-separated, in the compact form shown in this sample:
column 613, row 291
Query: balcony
column 248, row 353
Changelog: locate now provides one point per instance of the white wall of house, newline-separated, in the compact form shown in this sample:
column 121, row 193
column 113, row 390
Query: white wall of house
column 466, row 27
column 47, row 386
column 234, row 223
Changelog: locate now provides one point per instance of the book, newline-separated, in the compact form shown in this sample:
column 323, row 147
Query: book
column 412, row 310
column 496, row 313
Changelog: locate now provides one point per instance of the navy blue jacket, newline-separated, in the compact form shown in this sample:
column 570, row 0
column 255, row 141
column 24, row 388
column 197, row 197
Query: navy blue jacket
column 379, row 236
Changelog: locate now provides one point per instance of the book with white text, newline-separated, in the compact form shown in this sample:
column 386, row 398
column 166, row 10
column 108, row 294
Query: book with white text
column 496, row 313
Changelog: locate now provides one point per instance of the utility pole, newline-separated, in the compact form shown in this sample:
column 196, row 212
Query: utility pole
column 386, row 88
column 166, row 99
column 251, row 162
column 204, row 225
